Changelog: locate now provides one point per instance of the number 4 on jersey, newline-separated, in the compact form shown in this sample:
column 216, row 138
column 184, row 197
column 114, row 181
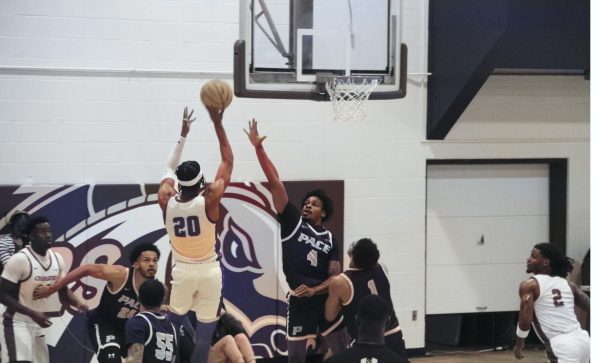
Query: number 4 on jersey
column 312, row 257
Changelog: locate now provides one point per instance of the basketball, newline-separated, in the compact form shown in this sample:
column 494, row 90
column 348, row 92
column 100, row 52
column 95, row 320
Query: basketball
column 216, row 94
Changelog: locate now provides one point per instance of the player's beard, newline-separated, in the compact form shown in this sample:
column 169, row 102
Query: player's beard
column 148, row 274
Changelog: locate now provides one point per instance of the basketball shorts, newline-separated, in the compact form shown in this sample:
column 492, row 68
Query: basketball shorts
column 197, row 287
column 306, row 317
column 395, row 341
column 24, row 341
column 573, row 347
column 108, row 341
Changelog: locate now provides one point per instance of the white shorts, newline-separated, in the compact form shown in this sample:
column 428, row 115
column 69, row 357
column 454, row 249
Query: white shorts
column 197, row 287
column 24, row 341
column 573, row 347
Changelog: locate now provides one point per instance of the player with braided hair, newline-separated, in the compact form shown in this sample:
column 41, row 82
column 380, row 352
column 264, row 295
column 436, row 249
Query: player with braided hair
column 548, row 303
column 190, row 210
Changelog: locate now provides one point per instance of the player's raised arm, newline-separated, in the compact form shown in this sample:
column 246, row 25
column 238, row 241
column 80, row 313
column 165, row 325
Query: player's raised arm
column 226, row 166
column 167, row 184
column 280, row 197
column 223, row 177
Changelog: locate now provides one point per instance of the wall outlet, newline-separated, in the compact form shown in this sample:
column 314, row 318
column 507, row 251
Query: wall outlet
column 414, row 315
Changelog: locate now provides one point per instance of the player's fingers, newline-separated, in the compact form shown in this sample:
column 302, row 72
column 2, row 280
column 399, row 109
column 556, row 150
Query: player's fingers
column 191, row 113
column 247, row 133
column 192, row 120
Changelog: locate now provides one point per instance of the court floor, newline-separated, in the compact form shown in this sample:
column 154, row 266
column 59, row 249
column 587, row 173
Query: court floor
column 531, row 356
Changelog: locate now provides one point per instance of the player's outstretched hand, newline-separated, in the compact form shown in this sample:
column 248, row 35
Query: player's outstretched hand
column 216, row 114
column 518, row 349
column 41, row 292
column 252, row 132
column 186, row 122
column 41, row 319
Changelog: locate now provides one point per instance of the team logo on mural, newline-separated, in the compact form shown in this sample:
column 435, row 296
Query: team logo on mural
column 102, row 224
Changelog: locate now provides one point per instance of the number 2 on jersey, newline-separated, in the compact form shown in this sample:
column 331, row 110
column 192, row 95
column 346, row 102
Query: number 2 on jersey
column 557, row 298
column 184, row 227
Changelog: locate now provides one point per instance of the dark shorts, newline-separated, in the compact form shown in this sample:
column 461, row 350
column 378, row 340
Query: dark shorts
column 395, row 342
column 306, row 318
column 108, row 341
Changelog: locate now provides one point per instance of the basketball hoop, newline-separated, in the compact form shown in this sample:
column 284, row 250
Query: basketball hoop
column 348, row 96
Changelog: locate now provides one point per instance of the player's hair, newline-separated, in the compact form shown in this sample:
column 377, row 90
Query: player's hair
column 559, row 263
column 33, row 222
column 142, row 247
column 365, row 253
column 327, row 202
column 16, row 216
column 229, row 325
column 372, row 311
column 187, row 171
column 152, row 293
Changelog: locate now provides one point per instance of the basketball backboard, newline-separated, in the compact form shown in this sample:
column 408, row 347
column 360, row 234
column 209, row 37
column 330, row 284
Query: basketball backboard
column 290, row 48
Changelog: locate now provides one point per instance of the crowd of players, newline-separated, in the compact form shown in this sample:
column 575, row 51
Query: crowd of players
column 348, row 315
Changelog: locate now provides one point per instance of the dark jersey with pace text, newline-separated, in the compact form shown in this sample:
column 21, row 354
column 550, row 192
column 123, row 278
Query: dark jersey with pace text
column 156, row 332
column 367, row 282
column 118, row 306
column 307, row 249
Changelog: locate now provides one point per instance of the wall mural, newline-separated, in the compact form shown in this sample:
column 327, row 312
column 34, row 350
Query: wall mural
column 102, row 224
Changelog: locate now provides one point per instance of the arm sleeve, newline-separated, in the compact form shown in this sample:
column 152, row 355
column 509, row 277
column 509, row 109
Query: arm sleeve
column 136, row 330
column 17, row 268
column 174, row 158
column 288, row 219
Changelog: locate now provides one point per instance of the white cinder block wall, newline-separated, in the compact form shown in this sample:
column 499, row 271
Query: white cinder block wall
column 117, row 127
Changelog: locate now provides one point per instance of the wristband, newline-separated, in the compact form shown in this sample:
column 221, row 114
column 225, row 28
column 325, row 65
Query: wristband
column 522, row 333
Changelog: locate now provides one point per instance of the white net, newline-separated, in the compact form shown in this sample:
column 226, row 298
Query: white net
column 348, row 96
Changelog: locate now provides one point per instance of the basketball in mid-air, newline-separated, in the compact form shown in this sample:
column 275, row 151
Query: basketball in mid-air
column 216, row 94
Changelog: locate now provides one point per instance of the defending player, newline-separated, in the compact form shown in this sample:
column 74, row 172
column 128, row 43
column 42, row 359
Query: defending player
column 548, row 303
column 310, row 258
column 119, row 301
column 372, row 315
column 150, row 335
column 190, row 213
column 364, row 277
column 24, row 317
